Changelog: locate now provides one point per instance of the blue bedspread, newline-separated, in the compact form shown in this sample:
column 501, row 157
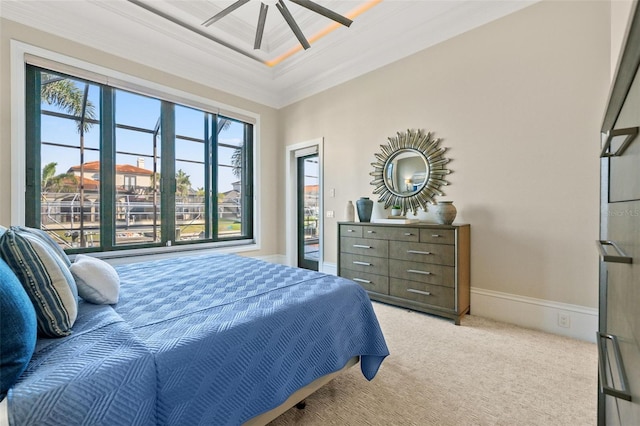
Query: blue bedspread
column 233, row 337
column 229, row 338
column 101, row 374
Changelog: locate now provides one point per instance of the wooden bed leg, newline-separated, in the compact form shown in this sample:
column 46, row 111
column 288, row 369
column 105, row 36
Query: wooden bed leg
column 301, row 405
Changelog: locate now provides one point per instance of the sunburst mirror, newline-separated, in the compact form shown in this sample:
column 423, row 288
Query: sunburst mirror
column 409, row 171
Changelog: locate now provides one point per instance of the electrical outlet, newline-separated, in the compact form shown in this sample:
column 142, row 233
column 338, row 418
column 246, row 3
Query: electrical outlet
column 564, row 320
column 332, row 192
column 330, row 213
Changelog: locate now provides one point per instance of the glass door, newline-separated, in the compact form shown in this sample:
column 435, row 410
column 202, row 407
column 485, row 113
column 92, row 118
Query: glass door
column 308, row 211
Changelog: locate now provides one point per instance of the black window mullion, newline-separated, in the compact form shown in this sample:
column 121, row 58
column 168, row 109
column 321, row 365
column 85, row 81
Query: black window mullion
column 247, row 182
column 107, row 168
column 108, row 155
column 168, row 173
column 33, row 175
column 209, row 207
column 215, row 190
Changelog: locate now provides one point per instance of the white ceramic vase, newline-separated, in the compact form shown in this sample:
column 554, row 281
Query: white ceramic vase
column 350, row 212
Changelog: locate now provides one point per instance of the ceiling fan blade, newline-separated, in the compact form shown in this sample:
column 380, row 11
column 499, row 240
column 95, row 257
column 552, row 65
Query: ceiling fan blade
column 261, row 20
column 292, row 24
column 224, row 12
column 315, row 7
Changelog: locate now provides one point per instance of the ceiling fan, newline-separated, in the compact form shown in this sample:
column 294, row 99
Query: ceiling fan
column 264, row 6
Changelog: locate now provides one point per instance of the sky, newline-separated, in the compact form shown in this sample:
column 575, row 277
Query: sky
column 139, row 111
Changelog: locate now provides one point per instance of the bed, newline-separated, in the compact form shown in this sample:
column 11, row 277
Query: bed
column 210, row 339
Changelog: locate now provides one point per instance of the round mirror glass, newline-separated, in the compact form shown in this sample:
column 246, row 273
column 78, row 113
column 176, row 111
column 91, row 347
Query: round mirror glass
column 406, row 172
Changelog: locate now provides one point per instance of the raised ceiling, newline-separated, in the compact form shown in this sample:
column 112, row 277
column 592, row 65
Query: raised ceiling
column 169, row 35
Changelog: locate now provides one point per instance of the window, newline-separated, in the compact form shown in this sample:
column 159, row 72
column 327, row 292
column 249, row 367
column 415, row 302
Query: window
column 108, row 169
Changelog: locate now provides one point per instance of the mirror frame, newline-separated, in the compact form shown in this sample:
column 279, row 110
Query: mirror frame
column 433, row 155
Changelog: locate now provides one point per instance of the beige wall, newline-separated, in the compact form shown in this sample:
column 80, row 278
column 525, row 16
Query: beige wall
column 519, row 102
column 270, row 151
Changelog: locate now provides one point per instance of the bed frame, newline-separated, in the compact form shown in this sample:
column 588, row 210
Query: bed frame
column 298, row 396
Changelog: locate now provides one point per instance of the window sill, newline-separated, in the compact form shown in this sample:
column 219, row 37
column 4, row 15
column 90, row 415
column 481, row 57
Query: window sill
column 121, row 257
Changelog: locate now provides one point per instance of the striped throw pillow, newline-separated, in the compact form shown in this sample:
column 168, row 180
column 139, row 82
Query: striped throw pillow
column 46, row 238
column 46, row 279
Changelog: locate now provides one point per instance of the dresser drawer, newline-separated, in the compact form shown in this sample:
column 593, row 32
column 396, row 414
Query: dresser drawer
column 364, row 246
column 370, row 282
column 438, row 236
column 440, row 254
column 391, row 233
column 350, row 231
column 436, row 295
column 369, row 264
column 422, row 272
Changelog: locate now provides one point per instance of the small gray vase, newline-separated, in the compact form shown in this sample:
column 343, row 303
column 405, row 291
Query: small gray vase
column 365, row 207
column 444, row 212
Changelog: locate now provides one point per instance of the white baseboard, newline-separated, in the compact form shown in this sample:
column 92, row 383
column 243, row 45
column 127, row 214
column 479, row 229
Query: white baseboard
column 274, row 258
column 330, row 268
column 527, row 312
column 534, row 313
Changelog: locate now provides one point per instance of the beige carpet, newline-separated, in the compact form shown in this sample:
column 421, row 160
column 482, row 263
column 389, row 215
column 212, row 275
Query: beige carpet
column 480, row 373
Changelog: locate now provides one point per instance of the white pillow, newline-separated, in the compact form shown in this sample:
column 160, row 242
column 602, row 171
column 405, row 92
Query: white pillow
column 96, row 280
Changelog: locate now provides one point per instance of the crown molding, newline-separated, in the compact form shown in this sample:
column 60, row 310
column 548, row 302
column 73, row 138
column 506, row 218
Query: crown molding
column 388, row 32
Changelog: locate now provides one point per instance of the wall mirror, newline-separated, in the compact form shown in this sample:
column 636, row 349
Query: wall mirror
column 409, row 171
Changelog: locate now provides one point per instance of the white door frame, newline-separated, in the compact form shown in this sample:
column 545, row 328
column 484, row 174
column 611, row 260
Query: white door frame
column 291, row 183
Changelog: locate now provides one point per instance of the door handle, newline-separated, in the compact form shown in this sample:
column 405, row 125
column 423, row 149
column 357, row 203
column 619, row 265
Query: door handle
column 621, row 256
column 631, row 133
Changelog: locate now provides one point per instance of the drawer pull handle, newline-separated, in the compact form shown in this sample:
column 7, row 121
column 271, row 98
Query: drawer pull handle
column 418, row 252
column 361, row 246
column 360, row 280
column 603, row 359
column 350, row 230
column 620, row 258
column 371, row 232
column 415, row 271
column 357, row 262
column 408, row 234
column 424, row 293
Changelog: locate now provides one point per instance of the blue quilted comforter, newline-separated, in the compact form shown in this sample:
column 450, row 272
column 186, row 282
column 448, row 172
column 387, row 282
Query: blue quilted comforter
column 214, row 339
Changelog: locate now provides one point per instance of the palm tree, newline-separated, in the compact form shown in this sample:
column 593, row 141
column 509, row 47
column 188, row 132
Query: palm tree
column 64, row 182
column 236, row 162
column 48, row 172
column 65, row 94
column 236, row 157
column 183, row 183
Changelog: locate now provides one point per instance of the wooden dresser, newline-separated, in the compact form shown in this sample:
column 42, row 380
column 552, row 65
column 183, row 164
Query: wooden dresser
column 423, row 267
